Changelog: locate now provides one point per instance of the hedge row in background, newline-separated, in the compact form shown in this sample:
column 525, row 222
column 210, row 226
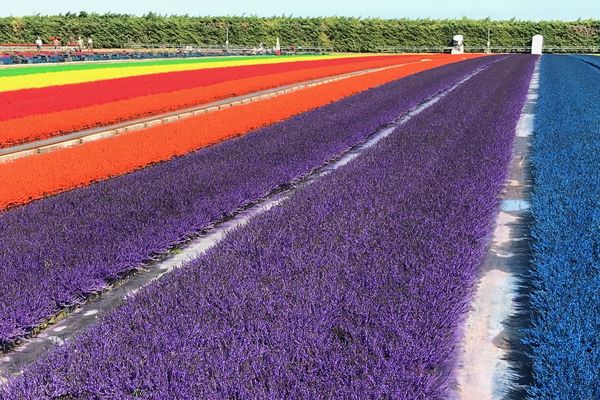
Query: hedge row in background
column 341, row 33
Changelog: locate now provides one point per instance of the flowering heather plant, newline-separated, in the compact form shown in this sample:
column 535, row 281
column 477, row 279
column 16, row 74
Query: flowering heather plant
column 566, row 208
column 351, row 289
column 56, row 250
column 592, row 60
column 37, row 114
column 31, row 178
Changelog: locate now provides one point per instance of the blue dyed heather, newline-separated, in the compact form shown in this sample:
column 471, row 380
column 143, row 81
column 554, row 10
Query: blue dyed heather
column 565, row 332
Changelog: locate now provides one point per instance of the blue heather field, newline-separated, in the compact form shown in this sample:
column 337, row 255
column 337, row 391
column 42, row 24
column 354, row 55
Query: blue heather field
column 566, row 209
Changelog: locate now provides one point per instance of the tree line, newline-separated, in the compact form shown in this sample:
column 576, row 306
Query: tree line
column 340, row 33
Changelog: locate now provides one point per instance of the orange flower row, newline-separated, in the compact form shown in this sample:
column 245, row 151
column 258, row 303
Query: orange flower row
column 31, row 178
column 45, row 125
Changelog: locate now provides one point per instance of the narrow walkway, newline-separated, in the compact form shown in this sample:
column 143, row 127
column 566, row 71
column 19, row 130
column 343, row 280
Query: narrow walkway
column 485, row 370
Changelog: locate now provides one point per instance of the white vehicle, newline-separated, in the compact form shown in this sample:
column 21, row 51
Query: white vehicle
column 458, row 46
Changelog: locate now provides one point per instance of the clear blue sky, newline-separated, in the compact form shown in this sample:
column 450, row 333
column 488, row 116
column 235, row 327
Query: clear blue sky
column 495, row 9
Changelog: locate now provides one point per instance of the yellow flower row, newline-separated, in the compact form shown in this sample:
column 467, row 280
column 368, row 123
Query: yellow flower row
column 69, row 77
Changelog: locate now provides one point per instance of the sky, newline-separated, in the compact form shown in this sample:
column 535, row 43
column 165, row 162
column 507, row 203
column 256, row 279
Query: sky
column 495, row 9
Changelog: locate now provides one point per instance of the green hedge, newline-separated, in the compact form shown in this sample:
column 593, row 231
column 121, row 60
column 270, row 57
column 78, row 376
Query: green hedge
column 342, row 33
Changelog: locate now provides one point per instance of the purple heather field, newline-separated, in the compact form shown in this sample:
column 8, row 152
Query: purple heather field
column 56, row 250
column 352, row 289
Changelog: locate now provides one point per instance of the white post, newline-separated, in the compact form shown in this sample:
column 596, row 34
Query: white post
column 537, row 43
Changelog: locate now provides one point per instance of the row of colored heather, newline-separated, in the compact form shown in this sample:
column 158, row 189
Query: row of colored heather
column 594, row 60
column 566, row 230
column 26, row 102
column 68, row 77
column 57, row 249
column 44, row 68
column 352, row 289
column 88, row 66
column 31, row 178
column 43, row 125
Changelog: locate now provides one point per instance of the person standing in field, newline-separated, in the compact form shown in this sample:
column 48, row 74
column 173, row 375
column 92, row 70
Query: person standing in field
column 90, row 44
column 79, row 44
column 38, row 43
column 56, row 43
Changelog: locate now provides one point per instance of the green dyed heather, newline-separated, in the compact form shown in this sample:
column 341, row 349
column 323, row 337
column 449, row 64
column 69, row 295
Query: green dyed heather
column 76, row 66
